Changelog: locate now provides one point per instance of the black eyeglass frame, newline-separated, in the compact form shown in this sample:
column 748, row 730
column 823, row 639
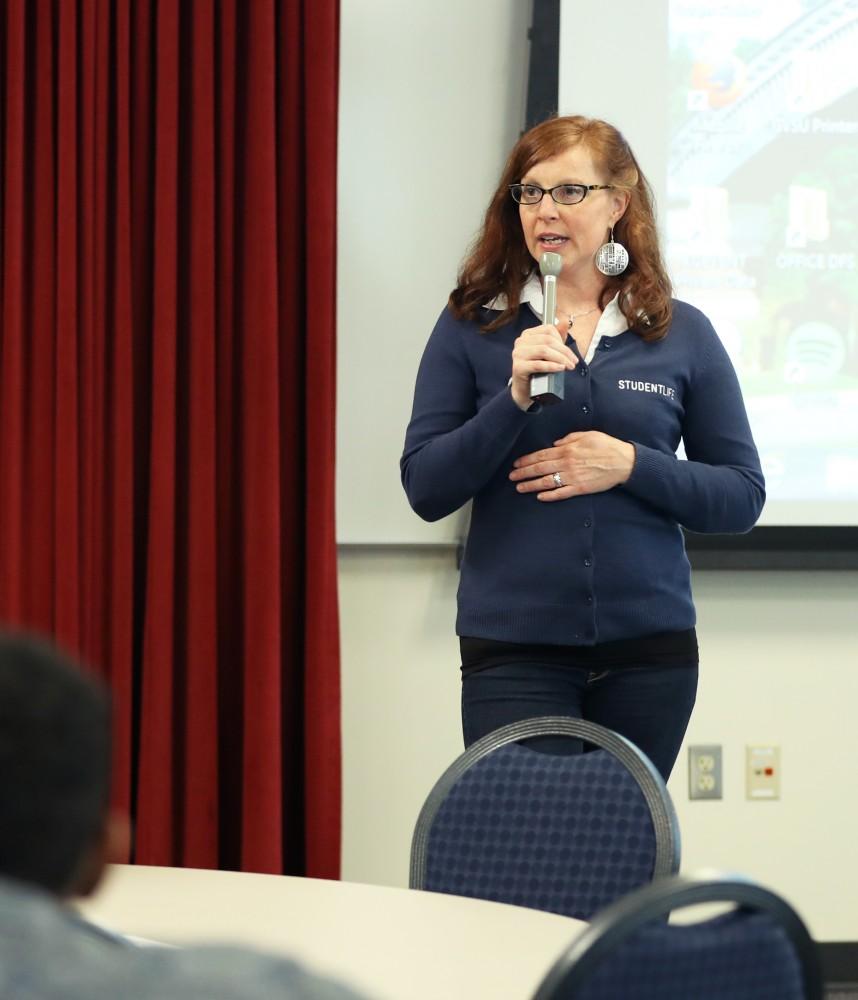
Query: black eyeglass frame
column 586, row 188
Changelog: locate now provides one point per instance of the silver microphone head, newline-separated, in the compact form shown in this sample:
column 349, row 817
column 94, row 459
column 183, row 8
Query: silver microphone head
column 550, row 264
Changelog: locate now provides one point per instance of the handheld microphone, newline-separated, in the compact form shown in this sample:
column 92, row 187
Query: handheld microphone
column 547, row 387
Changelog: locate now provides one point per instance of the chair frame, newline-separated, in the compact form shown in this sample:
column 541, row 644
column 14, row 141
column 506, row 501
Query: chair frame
column 658, row 900
column 650, row 782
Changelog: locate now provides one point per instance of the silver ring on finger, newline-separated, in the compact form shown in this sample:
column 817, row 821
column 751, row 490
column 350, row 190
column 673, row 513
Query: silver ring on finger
column 558, row 482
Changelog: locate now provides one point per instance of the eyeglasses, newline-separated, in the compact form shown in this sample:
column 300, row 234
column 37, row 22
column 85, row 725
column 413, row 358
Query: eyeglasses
column 563, row 194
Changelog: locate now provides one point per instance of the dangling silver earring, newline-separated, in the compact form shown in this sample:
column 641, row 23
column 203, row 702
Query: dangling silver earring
column 612, row 258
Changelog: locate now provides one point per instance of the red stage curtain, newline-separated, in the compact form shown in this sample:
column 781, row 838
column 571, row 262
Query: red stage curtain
column 167, row 379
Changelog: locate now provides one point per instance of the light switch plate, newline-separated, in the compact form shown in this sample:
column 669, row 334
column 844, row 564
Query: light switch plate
column 763, row 772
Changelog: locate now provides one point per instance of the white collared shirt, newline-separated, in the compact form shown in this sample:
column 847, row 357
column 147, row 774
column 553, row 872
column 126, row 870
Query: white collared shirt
column 611, row 323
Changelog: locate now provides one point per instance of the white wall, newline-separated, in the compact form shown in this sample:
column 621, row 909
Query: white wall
column 431, row 100
column 779, row 665
column 435, row 88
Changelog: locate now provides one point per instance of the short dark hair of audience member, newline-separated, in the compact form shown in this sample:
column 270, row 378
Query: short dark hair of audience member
column 57, row 829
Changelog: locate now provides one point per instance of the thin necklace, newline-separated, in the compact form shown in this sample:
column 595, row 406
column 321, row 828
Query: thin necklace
column 579, row 315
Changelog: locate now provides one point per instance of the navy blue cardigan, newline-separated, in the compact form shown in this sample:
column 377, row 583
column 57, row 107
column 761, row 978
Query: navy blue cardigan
column 601, row 566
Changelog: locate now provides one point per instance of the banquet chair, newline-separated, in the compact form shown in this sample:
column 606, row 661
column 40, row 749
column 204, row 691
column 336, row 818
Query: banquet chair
column 564, row 832
column 759, row 949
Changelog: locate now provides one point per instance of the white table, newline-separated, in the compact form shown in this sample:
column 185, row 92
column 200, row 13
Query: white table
column 392, row 944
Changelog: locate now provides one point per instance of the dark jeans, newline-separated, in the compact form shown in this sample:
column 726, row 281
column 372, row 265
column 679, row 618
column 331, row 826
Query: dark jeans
column 650, row 706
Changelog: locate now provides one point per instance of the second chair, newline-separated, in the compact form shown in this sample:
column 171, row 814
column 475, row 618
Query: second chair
column 567, row 833
column 759, row 949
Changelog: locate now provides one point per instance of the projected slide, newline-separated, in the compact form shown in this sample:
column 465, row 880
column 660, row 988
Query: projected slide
column 762, row 226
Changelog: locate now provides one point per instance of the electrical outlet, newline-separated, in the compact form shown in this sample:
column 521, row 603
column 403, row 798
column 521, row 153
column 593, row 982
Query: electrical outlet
column 704, row 772
column 763, row 772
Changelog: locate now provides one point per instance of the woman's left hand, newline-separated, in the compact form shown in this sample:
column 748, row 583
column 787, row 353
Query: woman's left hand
column 584, row 461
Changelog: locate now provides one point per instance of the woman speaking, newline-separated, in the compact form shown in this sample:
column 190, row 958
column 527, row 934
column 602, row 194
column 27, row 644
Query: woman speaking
column 575, row 595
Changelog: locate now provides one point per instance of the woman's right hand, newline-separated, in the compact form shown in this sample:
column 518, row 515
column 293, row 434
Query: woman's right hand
column 540, row 349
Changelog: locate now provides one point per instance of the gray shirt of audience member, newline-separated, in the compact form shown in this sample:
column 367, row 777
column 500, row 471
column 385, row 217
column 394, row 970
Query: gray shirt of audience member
column 47, row 952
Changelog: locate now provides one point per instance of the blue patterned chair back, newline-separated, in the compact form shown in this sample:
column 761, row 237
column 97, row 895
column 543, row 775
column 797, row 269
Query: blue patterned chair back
column 563, row 833
column 760, row 950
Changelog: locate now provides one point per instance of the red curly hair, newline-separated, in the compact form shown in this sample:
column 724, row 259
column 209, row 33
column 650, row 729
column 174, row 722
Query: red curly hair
column 499, row 261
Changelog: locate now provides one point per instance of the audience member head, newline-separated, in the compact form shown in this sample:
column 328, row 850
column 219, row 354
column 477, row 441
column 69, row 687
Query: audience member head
column 56, row 830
